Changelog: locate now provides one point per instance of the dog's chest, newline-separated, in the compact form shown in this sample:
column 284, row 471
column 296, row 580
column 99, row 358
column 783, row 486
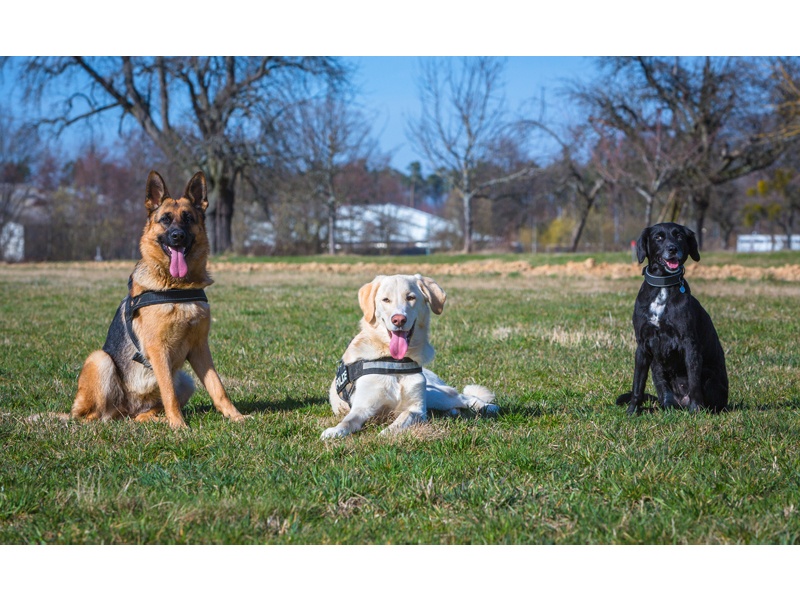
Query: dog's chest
column 178, row 320
column 393, row 391
column 188, row 314
column 657, row 308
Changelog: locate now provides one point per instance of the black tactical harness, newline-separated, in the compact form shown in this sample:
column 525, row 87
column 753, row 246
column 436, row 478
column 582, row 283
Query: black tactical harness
column 134, row 303
column 667, row 281
column 346, row 375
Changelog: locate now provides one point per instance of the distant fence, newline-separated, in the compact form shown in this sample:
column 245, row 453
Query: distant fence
column 766, row 243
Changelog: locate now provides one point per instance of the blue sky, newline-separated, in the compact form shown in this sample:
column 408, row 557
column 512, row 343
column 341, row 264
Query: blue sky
column 389, row 88
column 545, row 43
column 389, row 92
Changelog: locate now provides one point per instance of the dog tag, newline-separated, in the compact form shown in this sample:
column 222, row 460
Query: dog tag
column 682, row 288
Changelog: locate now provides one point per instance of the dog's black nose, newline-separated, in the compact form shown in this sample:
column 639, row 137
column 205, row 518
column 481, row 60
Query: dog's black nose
column 672, row 248
column 176, row 237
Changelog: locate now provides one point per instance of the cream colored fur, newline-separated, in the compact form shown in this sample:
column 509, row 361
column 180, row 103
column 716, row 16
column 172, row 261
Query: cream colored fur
column 408, row 397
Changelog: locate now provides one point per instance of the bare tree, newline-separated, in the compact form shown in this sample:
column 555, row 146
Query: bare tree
column 18, row 146
column 319, row 138
column 463, row 114
column 639, row 150
column 580, row 168
column 200, row 111
column 781, row 193
column 715, row 114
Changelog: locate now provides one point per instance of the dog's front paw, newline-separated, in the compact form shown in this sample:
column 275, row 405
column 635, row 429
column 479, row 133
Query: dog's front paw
column 238, row 417
column 177, row 425
column 333, row 432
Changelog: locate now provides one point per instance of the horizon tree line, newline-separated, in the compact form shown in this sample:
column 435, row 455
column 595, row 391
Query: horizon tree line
column 667, row 138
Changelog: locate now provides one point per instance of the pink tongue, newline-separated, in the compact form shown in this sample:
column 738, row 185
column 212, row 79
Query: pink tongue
column 177, row 263
column 672, row 265
column 398, row 345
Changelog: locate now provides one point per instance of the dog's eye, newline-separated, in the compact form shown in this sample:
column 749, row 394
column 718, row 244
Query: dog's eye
column 411, row 298
column 165, row 220
column 386, row 300
column 658, row 237
column 187, row 217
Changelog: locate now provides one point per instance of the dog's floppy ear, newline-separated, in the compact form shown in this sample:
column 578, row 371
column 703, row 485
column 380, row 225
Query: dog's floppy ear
column 694, row 251
column 434, row 294
column 366, row 298
column 197, row 192
column 642, row 248
column 156, row 191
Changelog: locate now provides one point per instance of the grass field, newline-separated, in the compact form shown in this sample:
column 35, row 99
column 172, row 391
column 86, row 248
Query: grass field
column 561, row 464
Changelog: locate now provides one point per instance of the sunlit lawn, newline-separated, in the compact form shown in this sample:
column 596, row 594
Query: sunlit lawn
column 561, row 464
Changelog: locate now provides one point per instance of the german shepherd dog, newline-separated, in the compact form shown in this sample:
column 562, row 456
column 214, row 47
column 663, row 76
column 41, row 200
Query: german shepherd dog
column 163, row 322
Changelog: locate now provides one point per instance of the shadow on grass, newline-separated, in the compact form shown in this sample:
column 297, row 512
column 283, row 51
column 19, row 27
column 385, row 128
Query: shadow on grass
column 248, row 408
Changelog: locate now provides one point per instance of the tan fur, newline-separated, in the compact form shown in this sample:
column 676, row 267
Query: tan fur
column 169, row 334
column 406, row 396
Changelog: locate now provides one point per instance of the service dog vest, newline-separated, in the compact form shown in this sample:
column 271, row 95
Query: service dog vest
column 346, row 375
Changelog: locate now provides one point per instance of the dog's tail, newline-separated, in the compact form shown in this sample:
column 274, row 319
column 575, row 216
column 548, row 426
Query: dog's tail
column 481, row 400
column 626, row 398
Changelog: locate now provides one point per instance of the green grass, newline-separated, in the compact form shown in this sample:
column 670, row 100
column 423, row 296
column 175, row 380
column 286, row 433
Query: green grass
column 561, row 464
column 756, row 259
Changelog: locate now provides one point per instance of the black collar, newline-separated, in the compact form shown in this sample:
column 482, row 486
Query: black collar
column 666, row 281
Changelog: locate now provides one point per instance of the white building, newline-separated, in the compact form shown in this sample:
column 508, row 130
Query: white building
column 766, row 243
column 390, row 227
column 373, row 229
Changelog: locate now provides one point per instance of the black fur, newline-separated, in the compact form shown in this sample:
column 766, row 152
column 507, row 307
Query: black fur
column 680, row 347
column 118, row 345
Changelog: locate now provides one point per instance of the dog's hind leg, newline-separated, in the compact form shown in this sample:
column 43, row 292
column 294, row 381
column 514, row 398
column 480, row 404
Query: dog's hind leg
column 715, row 392
column 184, row 388
column 100, row 393
column 440, row 396
column 405, row 419
column 672, row 393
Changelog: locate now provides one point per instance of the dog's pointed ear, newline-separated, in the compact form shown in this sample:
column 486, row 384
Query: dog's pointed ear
column 691, row 239
column 156, row 191
column 642, row 248
column 197, row 191
column 366, row 298
column 434, row 294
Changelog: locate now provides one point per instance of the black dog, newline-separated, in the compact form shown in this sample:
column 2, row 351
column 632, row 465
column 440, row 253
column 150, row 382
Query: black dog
column 675, row 337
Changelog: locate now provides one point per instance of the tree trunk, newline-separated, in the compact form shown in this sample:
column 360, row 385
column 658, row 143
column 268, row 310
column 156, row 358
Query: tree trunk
column 648, row 210
column 331, row 225
column 222, row 216
column 701, row 199
column 467, row 223
column 578, row 232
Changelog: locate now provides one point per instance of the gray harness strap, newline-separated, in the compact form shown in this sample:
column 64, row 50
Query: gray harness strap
column 346, row 375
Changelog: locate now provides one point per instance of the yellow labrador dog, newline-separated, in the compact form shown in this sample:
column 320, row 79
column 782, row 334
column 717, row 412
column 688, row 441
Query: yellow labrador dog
column 381, row 371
